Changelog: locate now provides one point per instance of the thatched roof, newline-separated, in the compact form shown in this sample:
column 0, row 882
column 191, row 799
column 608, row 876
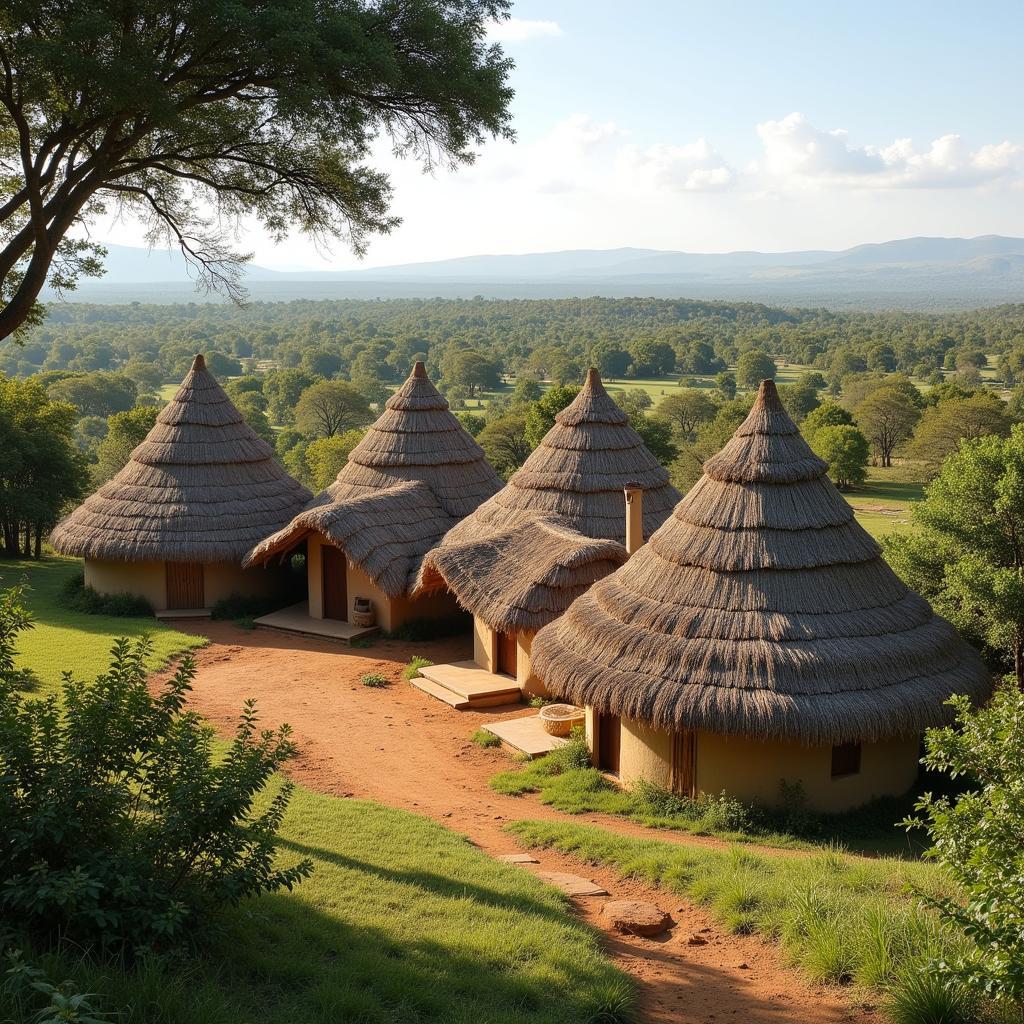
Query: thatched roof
column 559, row 524
column 202, row 487
column 761, row 608
column 414, row 475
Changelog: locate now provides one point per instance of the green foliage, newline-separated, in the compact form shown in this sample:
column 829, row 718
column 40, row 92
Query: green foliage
column 976, row 836
column 965, row 555
column 77, row 597
column 887, row 417
column 753, row 367
column 331, row 407
column 947, row 423
column 846, row 450
column 95, row 394
column 431, row 628
column 827, row 414
column 686, row 410
column 505, row 443
column 31, row 995
column 41, row 468
column 485, row 739
column 374, row 680
column 251, row 606
column 412, row 670
column 167, row 115
column 125, row 432
column 325, row 457
column 121, row 827
column 540, row 416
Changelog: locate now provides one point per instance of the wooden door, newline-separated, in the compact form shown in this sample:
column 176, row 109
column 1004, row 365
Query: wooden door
column 684, row 762
column 609, row 729
column 507, row 653
column 184, row 585
column 335, row 583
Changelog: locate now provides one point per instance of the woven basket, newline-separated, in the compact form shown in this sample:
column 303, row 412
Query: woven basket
column 561, row 719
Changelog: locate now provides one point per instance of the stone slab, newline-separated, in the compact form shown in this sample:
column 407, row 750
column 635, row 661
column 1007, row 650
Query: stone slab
column 296, row 619
column 526, row 735
column 518, row 858
column 572, row 885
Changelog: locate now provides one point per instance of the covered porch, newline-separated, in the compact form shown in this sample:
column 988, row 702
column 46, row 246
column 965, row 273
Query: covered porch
column 297, row 619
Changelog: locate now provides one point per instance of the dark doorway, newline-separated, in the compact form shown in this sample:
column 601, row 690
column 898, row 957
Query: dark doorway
column 684, row 762
column 507, row 653
column 184, row 585
column 335, row 583
column 609, row 729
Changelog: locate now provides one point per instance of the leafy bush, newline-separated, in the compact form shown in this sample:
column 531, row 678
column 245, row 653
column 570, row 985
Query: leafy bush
column 30, row 994
column 483, row 738
column 245, row 606
column 118, row 826
column 977, row 836
column 412, row 670
column 374, row 680
column 721, row 813
column 77, row 597
column 418, row 630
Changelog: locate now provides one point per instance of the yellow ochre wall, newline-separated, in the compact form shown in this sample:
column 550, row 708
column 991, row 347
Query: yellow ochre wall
column 392, row 612
column 485, row 645
column 752, row 770
column 527, row 679
column 149, row 580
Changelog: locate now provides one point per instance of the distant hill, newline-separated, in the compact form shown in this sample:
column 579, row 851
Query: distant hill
column 938, row 273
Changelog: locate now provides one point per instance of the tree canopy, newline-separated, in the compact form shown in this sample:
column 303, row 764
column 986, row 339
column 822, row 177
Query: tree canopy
column 194, row 114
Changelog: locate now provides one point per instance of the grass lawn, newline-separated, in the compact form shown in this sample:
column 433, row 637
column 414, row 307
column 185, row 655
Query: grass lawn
column 565, row 780
column 402, row 922
column 884, row 502
column 839, row 918
column 63, row 639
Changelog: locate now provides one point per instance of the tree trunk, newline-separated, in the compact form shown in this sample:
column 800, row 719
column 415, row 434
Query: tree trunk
column 1018, row 661
column 39, row 542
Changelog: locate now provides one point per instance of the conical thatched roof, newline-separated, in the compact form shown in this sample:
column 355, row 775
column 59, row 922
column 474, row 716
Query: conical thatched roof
column 761, row 608
column 559, row 524
column 414, row 475
column 202, row 487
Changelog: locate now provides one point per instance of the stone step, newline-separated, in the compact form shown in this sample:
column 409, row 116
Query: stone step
column 470, row 685
column 440, row 692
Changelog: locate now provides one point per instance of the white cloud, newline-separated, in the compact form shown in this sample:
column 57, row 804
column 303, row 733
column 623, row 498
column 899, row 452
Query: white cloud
column 520, row 30
column 691, row 167
column 798, row 153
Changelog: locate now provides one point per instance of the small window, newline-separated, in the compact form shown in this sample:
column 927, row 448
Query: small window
column 845, row 759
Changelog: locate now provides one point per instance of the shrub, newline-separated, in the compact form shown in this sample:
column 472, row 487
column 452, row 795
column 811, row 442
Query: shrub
column 31, row 995
column 412, row 670
column 483, row 738
column 374, row 680
column 418, row 630
column 77, row 597
column 244, row 606
column 119, row 825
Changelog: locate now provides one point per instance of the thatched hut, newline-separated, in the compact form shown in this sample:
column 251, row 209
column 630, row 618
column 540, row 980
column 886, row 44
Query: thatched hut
column 759, row 637
column 175, row 523
column 414, row 475
column 557, row 527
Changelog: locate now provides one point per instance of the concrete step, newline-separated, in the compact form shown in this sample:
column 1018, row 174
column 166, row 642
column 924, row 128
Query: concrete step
column 476, row 686
column 440, row 692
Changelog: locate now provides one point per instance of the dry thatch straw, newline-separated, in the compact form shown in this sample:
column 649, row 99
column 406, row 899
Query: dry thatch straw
column 202, row 487
column 761, row 608
column 559, row 525
column 414, row 475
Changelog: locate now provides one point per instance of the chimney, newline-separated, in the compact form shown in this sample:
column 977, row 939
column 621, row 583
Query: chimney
column 634, row 517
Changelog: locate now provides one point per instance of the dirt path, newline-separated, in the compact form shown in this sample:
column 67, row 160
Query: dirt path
column 400, row 747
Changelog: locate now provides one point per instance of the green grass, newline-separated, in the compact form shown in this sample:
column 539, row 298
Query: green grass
column 839, row 918
column 483, row 738
column 63, row 639
column 896, row 489
column 565, row 780
column 401, row 922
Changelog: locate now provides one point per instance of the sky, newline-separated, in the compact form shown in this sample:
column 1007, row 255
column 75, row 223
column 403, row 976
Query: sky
column 718, row 126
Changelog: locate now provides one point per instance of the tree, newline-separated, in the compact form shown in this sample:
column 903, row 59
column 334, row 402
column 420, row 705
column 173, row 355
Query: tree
column 753, row 367
column 887, row 418
column 221, row 365
column 505, row 443
column 686, row 410
column 540, row 416
column 657, row 436
column 123, row 826
column 725, row 382
column 652, row 358
column 331, row 407
column 846, row 451
column 976, row 836
column 472, row 370
column 283, row 388
column 634, row 402
column 828, row 414
column 944, row 426
column 125, row 432
column 609, row 360
column 967, row 554
column 320, row 362
column 800, row 397
column 251, row 406
column 41, row 468
column 95, row 394
column 526, row 390
column 263, row 110
column 326, row 457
